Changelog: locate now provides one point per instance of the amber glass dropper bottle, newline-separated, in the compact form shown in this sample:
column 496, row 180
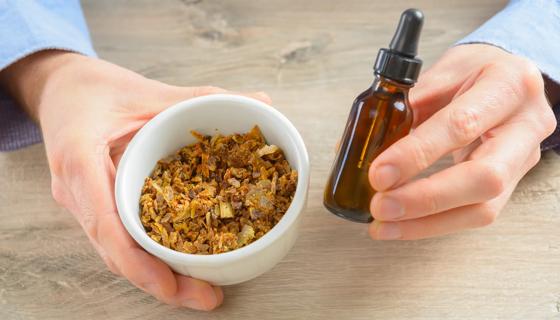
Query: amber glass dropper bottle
column 379, row 117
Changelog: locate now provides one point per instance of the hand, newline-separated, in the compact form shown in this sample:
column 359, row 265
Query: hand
column 89, row 110
column 488, row 108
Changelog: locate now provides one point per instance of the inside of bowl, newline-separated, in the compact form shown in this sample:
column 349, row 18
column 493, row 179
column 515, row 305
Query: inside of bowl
column 170, row 131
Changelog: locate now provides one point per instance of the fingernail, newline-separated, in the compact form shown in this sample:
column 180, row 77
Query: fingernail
column 207, row 303
column 219, row 295
column 390, row 208
column 388, row 231
column 386, row 176
column 194, row 304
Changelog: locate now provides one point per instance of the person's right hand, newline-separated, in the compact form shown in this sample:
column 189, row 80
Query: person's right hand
column 487, row 108
column 89, row 110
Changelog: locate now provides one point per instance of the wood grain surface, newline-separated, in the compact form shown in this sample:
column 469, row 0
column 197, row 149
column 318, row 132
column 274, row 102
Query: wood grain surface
column 312, row 57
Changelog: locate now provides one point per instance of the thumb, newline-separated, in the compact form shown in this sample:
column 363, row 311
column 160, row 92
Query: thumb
column 175, row 94
column 159, row 97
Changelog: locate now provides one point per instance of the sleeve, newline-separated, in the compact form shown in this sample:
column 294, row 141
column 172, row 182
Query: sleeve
column 26, row 27
column 528, row 28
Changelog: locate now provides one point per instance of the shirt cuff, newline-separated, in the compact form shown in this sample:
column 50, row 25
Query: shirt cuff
column 27, row 27
column 531, row 29
column 528, row 28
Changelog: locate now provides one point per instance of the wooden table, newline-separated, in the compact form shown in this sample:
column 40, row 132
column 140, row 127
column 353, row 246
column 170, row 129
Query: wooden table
column 312, row 57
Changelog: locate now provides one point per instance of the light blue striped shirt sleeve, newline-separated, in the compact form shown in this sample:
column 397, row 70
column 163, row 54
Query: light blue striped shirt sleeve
column 531, row 29
column 26, row 27
column 528, row 28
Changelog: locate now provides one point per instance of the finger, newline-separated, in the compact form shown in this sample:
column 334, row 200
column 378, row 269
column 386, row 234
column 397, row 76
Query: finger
column 471, row 216
column 457, row 125
column 108, row 261
column 151, row 274
column 434, row 90
column 165, row 98
column 437, row 86
column 259, row 95
column 135, row 264
column 176, row 94
column 158, row 99
column 500, row 161
column 162, row 96
column 118, row 144
column 92, row 189
column 337, row 146
column 92, row 186
column 139, row 267
column 464, row 153
column 463, row 184
column 66, row 199
column 194, row 294
column 207, row 90
column 454, row 220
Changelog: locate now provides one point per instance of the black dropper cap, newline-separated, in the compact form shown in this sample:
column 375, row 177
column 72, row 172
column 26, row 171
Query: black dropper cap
column 399, row 62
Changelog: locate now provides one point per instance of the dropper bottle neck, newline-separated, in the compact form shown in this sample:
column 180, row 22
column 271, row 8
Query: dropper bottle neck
column 386, row 86
column 399, row 61
column 389, row 83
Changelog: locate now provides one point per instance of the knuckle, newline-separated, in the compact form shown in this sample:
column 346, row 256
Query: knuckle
column 542, row 121
column 90, row 225
column 58, row 192
column 548, row 121
column 530, row 76
column 63, row 162
column 78, row 160
column 535, row 158
column 420, row 152
column 464, row 126
column 107, row 260
column 502, row 66
column 429, row 197
column 56, row 162
column 486, row 215
column 493, row 178
column 524, row 77
column 111, row 266
column 513, row 77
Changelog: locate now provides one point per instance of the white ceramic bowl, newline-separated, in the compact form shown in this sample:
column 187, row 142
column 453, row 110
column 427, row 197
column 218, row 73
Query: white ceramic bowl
column 168, row 132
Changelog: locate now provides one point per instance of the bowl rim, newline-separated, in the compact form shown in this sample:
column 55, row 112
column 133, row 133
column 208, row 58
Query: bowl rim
column 294, row 210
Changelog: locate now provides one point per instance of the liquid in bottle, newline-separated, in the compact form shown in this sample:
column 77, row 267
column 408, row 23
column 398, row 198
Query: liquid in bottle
column 378, row 118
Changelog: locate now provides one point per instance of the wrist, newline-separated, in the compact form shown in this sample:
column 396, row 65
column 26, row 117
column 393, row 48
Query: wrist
column 27, row 80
